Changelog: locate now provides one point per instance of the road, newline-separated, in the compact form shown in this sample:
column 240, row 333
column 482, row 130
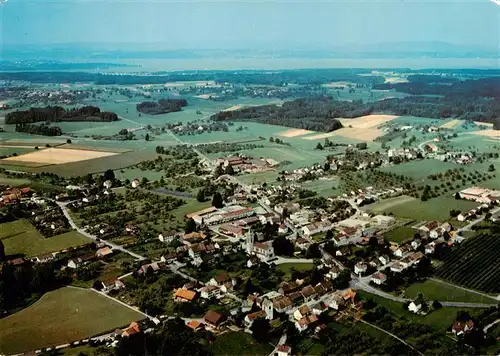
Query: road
column 282, row 260
column 357, row 283
column 469, row 226
column 65, row 211
column 486, row 328
column 281, row 341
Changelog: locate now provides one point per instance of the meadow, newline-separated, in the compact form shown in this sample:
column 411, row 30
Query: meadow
column 21, row 238
column 436, row 290
column 411, row 208
column 238, row 343
column 62, row 316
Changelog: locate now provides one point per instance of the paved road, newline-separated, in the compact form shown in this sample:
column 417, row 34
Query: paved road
column 281, row 341
column 282, row 260
column 65, row 211
column 490, row 325
column 359, row 284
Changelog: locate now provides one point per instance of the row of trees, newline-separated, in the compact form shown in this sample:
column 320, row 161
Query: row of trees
column 163, row 106
column 58, row 114
column 43, row 129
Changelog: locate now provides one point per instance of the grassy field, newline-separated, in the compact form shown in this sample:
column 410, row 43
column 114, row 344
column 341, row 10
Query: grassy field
column 287, row 267
column 411, row 208
column 419, row 169
column 238, row 343
column 20, row 237
column 400, row 234
column 62, row 316
column 440, row 319
column 434, row 290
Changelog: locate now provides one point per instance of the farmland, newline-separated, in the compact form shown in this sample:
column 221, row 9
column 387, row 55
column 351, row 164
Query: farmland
column 58, row 156
column 62, row 316
column 474, row 264
column 238, row 343
column 20, row 237
column 400, row 234
column 437, row 290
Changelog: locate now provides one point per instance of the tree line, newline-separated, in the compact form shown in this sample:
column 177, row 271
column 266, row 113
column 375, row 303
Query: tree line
column 59, row 114
column 43, row 129
column 163, row 106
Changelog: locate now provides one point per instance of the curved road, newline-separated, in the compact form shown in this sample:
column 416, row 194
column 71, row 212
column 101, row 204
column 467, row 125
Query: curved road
column 65, row 211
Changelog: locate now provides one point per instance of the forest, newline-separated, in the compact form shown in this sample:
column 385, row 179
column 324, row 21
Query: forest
column 163, row 106
column 45, row 130
column 320, row 113
column 316, row 114
column 58, row 114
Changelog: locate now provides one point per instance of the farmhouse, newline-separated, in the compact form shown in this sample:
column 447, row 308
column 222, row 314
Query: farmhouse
column 378, row 278
column 184, row 295
column 213, row 319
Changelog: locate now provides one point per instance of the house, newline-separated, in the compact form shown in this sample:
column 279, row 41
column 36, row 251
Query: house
column 378, row 278
column 430, row 248
column 218, row 280
column 169, row 258
column 131, row 330
column 287, row 288
column 340, row 240
column 319, row 308
column 343, row 251
column 282, row 229
column 44, row 258
column 462, row 327
column 264, row 251
column 169, row 236
column 232, row 230
column 282, row 304
column 416, row 257
column 399, row 252
column 333, row 272
column 416, row 243
column 290, row 208
column 195, row 325
column 397, row 267
column 227, row 287
column 154, row 267
column 462, row 216
column 210, row 292
column 415, row 307
column 105, row 251
column 135, row 183
column 213, row 319
column 184, row 295
column 113, row 284
column 384, row 259
column 193, row 237
column 302, row 243
column 250, row 318
column 304, row 323
column 253, row 261
column 284, row 350
column 108, row 184
column 360, row 268
column 80, row 261
column 336, row 301
column 301, row 312
column 296, row 298
column 383, row 220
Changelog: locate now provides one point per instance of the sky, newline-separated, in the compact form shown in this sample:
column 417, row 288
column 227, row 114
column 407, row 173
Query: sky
column 250, row 24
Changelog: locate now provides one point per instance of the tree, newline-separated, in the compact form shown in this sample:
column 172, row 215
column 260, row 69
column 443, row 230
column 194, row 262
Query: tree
column 329, row 235
column 319, row 146
column 326, row 166
column 218, row 171
column 109, row 175
column 491, row 168
column 436, row 305
column 260, row 330
column 68, row 140
column 200, row 196
column 362, row 146
column 217, row 200
column 229, row 170
column 283, row 247
column 313, row 251
column 271, row 139
column 2, row 251
column 190, row 226
column 457, row 195
column 147, row 137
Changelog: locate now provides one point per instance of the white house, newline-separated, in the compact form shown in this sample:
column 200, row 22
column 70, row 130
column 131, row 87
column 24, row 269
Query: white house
column 301, row 312
column 397, row 267
column 283, row 229
column 108, row 184
column 168, row 237
column 284, row 350
column 209, row 292
column 378, row 278
column 360, row 268
column 415, row 308
column 384, row 259
column 462, row 216
column 416, row 244
column 135, row 183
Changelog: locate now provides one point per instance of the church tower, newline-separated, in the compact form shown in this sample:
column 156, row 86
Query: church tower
column 249, row 241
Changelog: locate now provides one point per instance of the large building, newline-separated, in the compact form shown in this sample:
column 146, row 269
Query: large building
column 480, row 195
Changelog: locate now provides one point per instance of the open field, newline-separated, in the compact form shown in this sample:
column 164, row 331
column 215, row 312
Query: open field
column 487, row 133
column 368, row 121
column 411, row 208
column 295, row 132
column 62, row 316
column 474, row 264
column 238, row 343
column 440, row 319
column 20, row 237
column 450, row 124
column 400, row 234
column 59, row 156
column 85, row 147
column 419, row 169
column 348, row 132
column 434, row 290
column 234, row 107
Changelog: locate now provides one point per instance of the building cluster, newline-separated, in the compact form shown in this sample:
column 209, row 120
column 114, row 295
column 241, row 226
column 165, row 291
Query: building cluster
column 245, row 164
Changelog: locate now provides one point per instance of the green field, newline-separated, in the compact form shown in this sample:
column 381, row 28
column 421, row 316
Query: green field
column 400, row 234
column 440, row 319
column 287, row 267
column 238, row 343
column 62, row 316
column 434, row 290
column 20, row 237
column 411, row 208
column 419, row 169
